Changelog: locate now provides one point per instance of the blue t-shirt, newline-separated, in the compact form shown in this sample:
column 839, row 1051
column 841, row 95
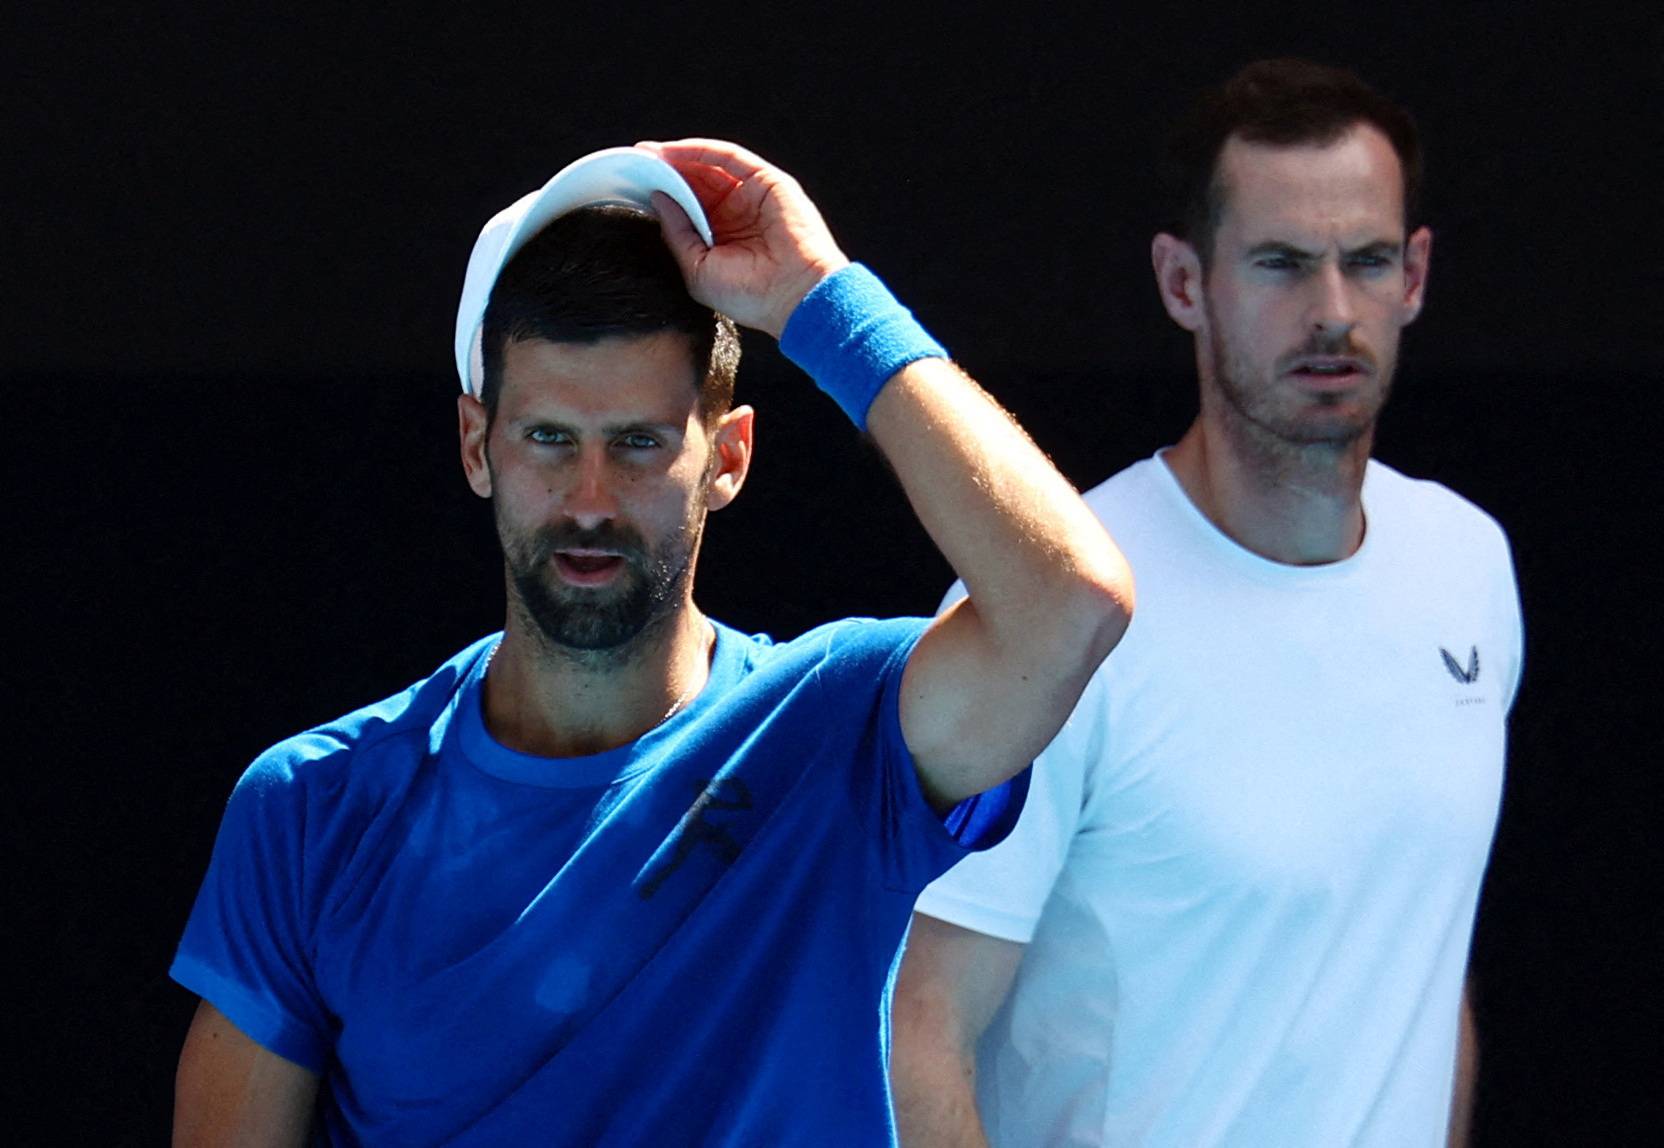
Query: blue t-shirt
column 687, row 940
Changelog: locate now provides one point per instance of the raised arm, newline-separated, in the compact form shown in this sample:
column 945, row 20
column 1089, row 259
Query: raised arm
column 1049, row 592
column 230, row 1090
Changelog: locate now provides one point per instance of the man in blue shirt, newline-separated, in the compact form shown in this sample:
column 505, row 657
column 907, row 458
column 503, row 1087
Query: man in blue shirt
column 622, row 875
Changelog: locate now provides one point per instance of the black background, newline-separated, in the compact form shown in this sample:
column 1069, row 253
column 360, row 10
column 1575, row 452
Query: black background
column 232, row 246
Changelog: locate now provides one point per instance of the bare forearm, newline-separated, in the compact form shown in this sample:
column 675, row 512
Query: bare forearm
column 952, row 981
column 935, row 1097
column 1034, row 559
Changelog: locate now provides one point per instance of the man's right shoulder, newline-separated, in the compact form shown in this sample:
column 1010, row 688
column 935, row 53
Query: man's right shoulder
column 391, row 733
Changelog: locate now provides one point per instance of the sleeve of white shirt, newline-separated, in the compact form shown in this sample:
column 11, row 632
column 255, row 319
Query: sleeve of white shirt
column 1001, row 891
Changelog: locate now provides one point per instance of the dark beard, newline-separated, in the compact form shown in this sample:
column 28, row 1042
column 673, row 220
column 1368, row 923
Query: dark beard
column 605, row 619
column 1256, row 412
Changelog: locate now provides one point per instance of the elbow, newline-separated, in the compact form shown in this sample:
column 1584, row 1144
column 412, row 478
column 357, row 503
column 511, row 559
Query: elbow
column 1106, row 606
column 1061, row 621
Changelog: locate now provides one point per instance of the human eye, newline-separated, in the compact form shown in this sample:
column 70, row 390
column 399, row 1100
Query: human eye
column 1277, row 262
column 638, row 440
column 1369, row 262
column 548, row 436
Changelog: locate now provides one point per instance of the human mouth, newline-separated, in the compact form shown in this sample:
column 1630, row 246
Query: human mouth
column 1329, row 372
column 585, row 567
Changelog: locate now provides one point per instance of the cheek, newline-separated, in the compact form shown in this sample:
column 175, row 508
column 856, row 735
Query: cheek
column 1380, row 314
column 1390, row 308
column 1240, row 319
column 1251, row 336
column 1272, row 314
column 665, row 498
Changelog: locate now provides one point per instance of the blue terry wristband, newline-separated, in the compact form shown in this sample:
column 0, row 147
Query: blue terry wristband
column 850, row 335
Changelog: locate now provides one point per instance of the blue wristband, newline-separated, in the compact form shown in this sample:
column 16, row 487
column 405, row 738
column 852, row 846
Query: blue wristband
column 850, row 335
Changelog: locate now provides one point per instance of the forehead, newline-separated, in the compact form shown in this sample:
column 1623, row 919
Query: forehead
column 1349, row 190
column 623, row 376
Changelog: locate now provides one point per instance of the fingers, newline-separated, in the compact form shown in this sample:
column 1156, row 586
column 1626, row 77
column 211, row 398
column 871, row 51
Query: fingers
column 679, row 233
column 728, row 157
column 711, row 184
column 771, row 245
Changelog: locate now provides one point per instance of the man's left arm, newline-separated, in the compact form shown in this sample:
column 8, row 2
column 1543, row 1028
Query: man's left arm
column 1050, row 594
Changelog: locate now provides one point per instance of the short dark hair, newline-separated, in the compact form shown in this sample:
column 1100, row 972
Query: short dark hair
column 598, row 272
column 1279, row 102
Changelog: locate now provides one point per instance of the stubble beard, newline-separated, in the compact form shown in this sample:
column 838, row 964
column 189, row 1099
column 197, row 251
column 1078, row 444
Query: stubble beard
column 1253, row 413
column 604, row 622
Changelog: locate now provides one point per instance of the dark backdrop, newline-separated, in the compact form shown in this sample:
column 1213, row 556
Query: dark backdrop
column 232, row 246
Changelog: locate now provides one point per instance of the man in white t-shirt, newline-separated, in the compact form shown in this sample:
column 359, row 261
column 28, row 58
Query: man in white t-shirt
column 1237, row 908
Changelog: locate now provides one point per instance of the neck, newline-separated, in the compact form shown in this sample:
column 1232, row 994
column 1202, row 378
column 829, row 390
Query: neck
column 550, row 701
column 1298, row 504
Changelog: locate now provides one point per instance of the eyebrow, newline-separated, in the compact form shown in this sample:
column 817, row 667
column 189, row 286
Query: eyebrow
column 662, row 429
column 1379, row 247
column 1290, row 251
column 609, row 430
column 1276, row 247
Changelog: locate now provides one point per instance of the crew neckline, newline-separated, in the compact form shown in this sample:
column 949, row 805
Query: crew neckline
column 490, row 756
column 1258, row 566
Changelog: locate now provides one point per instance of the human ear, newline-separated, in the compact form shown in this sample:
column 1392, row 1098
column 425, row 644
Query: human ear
column 731, row 441
column 1418, row 253
column 471, row 420
column 1179, row 280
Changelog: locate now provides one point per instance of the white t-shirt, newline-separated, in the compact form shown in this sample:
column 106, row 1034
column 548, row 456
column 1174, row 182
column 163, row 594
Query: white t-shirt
column 1247, row 870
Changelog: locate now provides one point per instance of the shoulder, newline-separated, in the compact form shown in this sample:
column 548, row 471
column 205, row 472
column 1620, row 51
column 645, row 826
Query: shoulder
column 1146, row 510
column 326, row 758
column 827, row 668
column 1129, row 487
column 1431, row 513
column 848, row 642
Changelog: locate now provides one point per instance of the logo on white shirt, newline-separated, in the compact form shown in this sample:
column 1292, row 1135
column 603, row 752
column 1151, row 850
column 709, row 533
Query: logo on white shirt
column 1466, row 676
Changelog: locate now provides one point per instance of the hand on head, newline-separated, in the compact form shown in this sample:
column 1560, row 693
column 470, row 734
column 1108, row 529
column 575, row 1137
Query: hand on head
column 771, row 247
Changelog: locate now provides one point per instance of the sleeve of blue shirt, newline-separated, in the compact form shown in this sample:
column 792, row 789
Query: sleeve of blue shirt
column 919, row 845
column 245, row 948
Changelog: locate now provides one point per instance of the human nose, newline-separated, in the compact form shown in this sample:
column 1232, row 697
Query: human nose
column 1333, row 310
column 591, row 500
